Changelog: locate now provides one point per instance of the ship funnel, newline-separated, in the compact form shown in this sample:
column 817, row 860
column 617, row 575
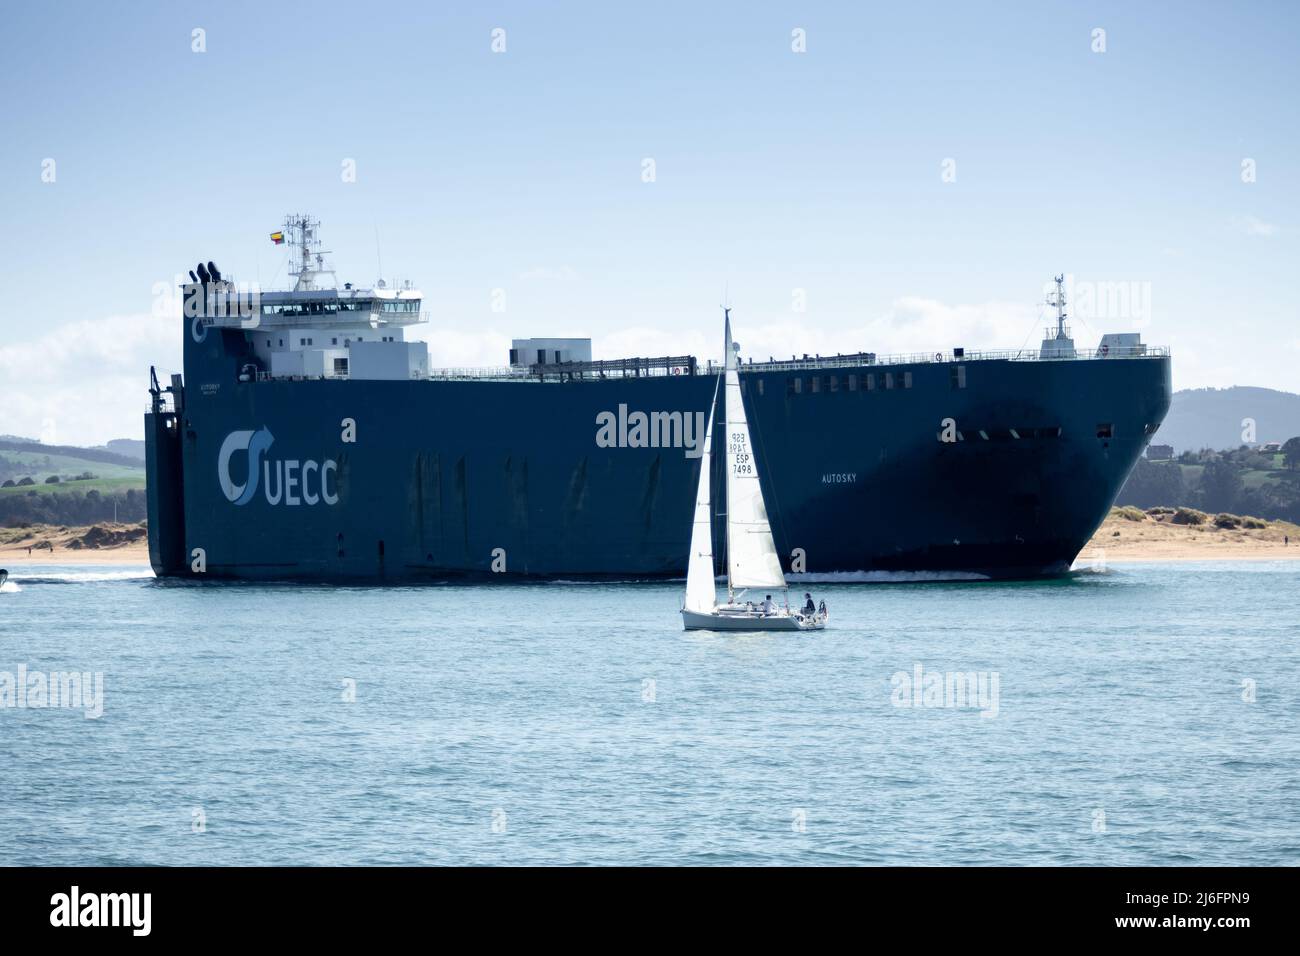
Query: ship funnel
column 204, row 276
column 214, row 271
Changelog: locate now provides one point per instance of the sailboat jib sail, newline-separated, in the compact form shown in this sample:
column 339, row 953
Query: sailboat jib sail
column 752, row 561
column 700, row 591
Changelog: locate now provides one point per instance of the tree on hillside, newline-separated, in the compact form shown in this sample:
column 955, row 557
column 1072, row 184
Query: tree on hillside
column 1220, row 486
column 1153, row 484
column 1291, row 453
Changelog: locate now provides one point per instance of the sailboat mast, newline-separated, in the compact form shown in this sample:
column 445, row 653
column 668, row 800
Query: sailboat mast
column 728, row 356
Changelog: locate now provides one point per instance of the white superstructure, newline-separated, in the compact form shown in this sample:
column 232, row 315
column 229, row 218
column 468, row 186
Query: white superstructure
column 318, row 330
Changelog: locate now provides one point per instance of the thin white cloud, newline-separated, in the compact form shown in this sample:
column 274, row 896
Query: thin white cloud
column 85, row 382
column 452, row 347
column 1255, row 226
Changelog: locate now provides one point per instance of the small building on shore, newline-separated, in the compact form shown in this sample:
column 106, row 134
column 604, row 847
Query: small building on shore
column 1160, row 452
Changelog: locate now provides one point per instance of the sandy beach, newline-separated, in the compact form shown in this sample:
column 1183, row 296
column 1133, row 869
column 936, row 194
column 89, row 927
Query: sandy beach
column 97, row 544
column 1132, row 535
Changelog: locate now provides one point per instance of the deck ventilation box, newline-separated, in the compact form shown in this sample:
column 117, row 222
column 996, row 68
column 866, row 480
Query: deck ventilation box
column 388, row 360
column 526, row 352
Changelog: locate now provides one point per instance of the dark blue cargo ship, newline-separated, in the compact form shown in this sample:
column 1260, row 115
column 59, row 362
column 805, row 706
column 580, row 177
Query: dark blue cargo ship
column 308, row 440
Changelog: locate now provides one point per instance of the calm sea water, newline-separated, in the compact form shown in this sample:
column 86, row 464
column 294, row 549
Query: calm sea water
column 571, row 723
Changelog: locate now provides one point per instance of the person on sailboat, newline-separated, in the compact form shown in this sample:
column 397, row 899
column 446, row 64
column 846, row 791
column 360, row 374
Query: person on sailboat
column 809, row 608
column 768, row 606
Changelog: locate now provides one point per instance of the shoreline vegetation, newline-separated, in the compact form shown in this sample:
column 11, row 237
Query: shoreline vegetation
column 1127, row 534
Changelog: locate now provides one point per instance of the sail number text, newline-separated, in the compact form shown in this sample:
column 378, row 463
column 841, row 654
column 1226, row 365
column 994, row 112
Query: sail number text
column 737, row 448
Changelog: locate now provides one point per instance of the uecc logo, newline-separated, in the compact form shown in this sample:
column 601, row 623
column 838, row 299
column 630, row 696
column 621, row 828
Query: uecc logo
column 288, row 481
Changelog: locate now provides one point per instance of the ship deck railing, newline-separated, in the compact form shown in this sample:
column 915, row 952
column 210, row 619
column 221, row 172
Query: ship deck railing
column 670, row 365
column 662, row 365
column 688, row 365
column 954, row 356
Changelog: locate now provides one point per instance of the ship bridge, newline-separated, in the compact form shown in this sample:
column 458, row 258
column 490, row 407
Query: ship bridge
column 317, row 329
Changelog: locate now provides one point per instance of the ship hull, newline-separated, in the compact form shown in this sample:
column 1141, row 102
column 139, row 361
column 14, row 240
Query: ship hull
column 1007, row 475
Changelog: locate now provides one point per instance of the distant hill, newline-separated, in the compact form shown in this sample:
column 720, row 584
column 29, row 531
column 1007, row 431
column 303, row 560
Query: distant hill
column 101, row 455
column 64, row 484
column 130, row 447
column 1212, row 417
column 37, row 462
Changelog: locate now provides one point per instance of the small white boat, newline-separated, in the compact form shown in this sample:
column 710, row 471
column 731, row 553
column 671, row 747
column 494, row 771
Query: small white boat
column 752, row 562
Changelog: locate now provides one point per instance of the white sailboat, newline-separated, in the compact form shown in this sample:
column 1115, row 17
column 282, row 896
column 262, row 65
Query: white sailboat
column 752, row 562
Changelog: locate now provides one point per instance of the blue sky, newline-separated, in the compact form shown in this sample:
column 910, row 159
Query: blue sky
column 775, row 171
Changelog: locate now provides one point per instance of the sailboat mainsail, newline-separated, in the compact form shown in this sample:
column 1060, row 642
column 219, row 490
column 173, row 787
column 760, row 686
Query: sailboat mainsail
column 700, row 591
column 751, row 554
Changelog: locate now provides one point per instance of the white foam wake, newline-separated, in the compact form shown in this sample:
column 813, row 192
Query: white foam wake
column 884, row 577
column 65, row 575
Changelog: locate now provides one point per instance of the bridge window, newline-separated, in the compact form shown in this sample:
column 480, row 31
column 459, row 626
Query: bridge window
column 889, row 380
column 853, row 382
column 958, row 376
column 760, row 386
column 907, row 380
column 835, row 383
column 870, row 379
column 816, row 383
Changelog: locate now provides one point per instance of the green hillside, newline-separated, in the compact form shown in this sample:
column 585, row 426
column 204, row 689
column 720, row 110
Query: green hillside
column 40, row 465
column 66, row 485
column 103, row 486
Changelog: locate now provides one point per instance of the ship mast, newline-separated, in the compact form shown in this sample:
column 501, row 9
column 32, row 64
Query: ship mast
column 1057, row 300
column 307, row 260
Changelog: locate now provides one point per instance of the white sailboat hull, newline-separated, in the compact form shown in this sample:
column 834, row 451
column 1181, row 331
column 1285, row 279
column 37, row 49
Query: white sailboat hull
column 725, row 618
